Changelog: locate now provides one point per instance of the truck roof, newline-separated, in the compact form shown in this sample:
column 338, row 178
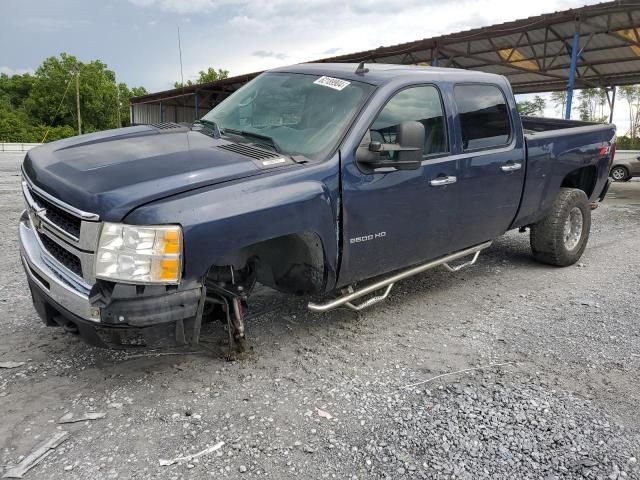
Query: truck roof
column 381, row 73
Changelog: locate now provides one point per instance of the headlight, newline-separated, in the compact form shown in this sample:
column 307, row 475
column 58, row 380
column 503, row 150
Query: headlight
column 136, row 254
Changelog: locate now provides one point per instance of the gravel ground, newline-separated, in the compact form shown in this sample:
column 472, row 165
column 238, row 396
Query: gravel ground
column 329, row 395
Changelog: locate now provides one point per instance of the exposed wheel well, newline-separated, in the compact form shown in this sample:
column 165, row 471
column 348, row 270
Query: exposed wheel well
column 583, row 178
column 292, row 263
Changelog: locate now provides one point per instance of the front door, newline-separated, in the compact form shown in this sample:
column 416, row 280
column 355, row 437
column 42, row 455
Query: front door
column 396, row 218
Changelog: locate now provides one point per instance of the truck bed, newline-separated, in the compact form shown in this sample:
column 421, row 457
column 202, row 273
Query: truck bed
column 532, row 125
column 569, row 146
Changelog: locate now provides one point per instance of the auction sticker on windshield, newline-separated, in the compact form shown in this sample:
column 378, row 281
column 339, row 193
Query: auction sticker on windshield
column 331, row 82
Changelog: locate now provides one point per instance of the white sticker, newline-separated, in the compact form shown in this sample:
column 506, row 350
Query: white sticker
column 274, row 161
column 335, row 83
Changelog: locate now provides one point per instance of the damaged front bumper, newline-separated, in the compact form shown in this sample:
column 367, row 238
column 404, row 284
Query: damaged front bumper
column 107, row 315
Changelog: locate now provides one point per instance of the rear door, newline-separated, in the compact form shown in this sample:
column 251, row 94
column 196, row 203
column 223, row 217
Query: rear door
column 491, row 163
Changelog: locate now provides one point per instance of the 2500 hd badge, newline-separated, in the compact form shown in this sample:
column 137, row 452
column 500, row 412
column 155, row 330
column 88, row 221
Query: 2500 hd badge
column 367, row 238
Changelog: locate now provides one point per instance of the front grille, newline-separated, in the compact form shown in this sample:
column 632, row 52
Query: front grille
column 66, row 258
column 67, row 222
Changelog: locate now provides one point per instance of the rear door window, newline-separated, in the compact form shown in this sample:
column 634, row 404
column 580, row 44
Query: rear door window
column 484, row 116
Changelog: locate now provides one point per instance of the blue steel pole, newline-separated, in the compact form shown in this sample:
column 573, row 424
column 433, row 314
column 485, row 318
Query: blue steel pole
column 572, row 72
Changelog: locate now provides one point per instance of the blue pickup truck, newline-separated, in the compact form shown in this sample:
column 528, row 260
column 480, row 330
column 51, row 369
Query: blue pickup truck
column 333, row 181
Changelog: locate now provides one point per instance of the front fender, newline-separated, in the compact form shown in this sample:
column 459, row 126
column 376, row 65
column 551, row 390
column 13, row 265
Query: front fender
column 220, row 221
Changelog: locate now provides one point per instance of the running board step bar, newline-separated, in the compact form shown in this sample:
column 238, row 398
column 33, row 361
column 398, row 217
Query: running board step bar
column 351, row 295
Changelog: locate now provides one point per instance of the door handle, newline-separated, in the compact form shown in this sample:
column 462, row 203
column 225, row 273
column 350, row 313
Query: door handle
column 440, row 181
column 511, row 167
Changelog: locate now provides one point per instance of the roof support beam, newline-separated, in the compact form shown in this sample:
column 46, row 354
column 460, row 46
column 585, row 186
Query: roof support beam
column 611, row 100
column 422, row 45
column 572, row 70
column 500, row 61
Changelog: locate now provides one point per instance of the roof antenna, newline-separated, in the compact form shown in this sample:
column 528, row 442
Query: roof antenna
column 361, row 70
column 184, row 99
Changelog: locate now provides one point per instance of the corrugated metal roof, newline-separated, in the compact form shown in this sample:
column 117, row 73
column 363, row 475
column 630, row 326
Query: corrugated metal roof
column 534, row 53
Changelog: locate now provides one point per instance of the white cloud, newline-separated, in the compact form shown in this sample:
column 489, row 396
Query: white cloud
column 15, row 71
column 288, row 8
column 180, row 6
column 269, row 54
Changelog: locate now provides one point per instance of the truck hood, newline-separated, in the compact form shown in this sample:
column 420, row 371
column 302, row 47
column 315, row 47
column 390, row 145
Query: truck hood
column 110, row 173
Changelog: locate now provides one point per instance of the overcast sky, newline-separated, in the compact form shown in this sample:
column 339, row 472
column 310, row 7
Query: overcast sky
column 138, row 38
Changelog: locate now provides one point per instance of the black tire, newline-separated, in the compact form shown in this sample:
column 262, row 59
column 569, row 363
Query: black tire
column 550, row 242
column 623, row 175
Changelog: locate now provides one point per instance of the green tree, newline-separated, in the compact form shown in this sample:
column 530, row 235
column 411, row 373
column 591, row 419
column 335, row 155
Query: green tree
column 124, row 95
column 15, row 126
column 627, row 143
column 52, row 100
column 533, row 107
column 49, row 101
column 138, row 91
column 210, row 75
column 16, row 88
column 591, row 105
column 559, row 100
column 45, row 102
column 631, row 95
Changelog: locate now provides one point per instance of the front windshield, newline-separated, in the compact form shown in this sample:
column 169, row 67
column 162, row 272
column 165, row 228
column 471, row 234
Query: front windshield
column 301, row 114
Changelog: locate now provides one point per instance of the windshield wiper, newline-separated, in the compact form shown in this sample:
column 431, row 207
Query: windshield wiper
column 213, row 126
column 259, row 136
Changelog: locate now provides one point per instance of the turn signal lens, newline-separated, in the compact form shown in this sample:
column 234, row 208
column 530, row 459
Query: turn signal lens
column 170, row 269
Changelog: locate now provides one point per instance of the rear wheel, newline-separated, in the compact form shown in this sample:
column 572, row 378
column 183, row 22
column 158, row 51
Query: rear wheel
column 561, row 237
column 620, row 174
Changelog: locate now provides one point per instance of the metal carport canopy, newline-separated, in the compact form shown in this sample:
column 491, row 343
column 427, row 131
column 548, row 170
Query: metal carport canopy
column 536, row 54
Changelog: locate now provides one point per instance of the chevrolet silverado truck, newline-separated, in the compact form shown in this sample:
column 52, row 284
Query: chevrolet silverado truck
column 333, row 181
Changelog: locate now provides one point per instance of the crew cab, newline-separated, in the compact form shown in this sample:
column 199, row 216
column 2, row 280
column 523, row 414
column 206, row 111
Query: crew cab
column 311, row 179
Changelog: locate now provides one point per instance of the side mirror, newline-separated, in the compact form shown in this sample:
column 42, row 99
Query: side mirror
column 410, row 136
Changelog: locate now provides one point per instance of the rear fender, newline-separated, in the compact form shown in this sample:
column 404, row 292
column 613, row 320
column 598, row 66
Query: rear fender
column 569, row 157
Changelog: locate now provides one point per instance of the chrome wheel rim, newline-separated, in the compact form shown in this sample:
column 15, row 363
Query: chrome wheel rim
column 573, row 228
column 618, row 174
